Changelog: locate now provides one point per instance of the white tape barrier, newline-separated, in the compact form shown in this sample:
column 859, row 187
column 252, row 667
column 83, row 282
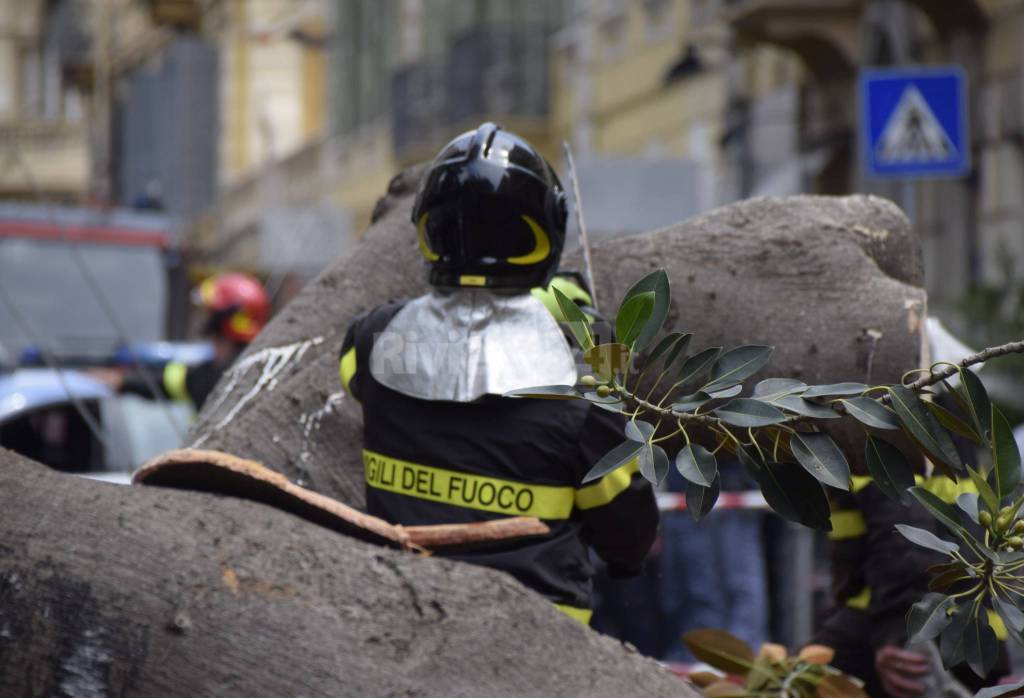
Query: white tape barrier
column 751, row 499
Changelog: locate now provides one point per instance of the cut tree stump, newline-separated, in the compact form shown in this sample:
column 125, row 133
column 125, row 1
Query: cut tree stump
column 833, row 283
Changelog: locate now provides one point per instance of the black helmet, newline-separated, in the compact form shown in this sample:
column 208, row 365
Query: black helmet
column 490, row 212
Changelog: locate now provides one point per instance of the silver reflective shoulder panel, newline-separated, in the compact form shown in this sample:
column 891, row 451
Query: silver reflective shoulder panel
column 464, row 344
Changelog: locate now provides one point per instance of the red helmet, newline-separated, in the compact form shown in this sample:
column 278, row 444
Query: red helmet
column 239, row 306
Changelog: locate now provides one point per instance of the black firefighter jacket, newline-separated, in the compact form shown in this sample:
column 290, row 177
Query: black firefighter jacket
column 433, row 462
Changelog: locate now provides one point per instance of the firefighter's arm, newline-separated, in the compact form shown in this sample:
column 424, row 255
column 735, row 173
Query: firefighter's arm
column 618, row 512
column 169, row 380
column 895, row 569
column 347, row 364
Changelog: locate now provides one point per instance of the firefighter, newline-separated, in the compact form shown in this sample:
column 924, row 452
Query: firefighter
column 441, row 444
column 237, row 307
column 877, row 575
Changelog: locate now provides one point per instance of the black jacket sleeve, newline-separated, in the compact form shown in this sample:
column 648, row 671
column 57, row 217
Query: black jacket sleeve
column 619, row 512
column 894, row 568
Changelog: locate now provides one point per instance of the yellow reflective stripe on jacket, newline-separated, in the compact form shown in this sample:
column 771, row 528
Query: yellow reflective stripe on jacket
column 608, row 487
column 570, row 288
column 998, row 627
column 861, row 600
column 847, row 524
column 174, row 381
column 941, row 486
column 945, row 489
column 467, row 490
column 581, row 614
column 347, row 368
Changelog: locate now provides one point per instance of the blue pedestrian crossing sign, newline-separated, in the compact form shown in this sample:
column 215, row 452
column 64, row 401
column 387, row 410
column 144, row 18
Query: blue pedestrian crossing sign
column 913, row 122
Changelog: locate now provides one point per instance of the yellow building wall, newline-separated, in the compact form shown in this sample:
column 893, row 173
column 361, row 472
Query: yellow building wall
column 272, row 100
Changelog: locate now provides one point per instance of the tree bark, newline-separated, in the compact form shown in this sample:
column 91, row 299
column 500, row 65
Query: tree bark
column 117, row 591
column 833, row 283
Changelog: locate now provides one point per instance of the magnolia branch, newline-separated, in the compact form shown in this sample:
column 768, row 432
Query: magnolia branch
column 933, row 377
column 949, row 370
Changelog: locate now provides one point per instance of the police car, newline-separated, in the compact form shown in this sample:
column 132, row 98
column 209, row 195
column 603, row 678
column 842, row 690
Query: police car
column 74, row 423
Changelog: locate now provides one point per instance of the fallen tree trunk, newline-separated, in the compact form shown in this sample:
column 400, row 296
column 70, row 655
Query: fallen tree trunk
column 117, row 591
column 832, row 283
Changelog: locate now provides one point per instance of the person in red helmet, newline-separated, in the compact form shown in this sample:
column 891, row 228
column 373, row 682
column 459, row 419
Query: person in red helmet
column 237, row 308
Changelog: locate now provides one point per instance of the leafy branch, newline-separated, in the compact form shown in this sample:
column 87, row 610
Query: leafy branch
column 671, row 397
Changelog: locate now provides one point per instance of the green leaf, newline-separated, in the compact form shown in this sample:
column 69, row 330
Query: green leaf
column 721, row 650
column 927, row 618
column 747, row 412
column 889, row 468
column 981, row 649
column 727, row 392
column 678, row 350
column 639, row 430
column 579, row 325
column 953, row 574
column 835, row 390
column 697, row 364
column 607, row 360
column 688, row 403
column 633, row 316
column 870, row 412
column 926, row 539
column 795, row 495
column 609, row 404
column 974, row 399
column 736, row 365
column 968, row 504
column 614, row 459
column 656, row 283
column 795, row 403
column 653, row 463
column 751, row 460
column 701, row 500
column 820, row 456
column 923, row 427
column 697, row 464
column 546, row 392
column 674, row 341
column 1010, row 614
column 985, row 492
column 942, row 512
column 1005, row 456
column 951, row 642
column 952, row 422
column 1007, row 691
column 773, row 388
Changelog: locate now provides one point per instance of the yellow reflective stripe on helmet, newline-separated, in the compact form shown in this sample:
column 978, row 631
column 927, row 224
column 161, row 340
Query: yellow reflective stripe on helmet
column 847, row 524
column 465, row 489
column 861, row 601
column 421, row 232
column 581, row 614
column 174, row 381
column 347, row 368
column 541, row 245
column 608, row 487
column 242, row 323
